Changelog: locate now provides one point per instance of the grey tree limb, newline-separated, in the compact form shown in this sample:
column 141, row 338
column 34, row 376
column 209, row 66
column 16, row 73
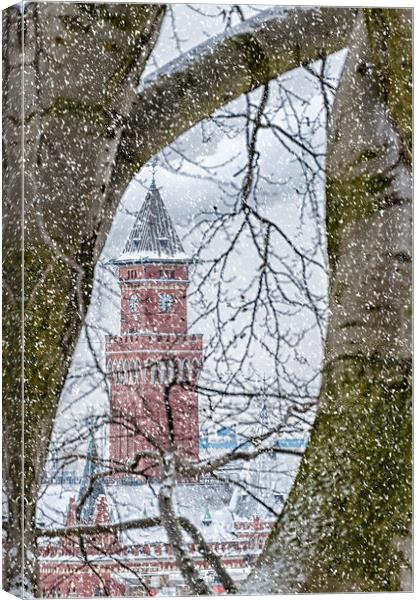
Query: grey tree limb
column 193, row 87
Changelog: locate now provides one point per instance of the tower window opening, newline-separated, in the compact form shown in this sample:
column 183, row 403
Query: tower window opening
column 134, row 303
column 167, row 274
column 164, row 243
column 155, row 373
column 185, row 373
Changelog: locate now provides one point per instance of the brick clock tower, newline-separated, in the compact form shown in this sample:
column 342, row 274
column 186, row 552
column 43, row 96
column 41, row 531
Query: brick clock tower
column 153, row 365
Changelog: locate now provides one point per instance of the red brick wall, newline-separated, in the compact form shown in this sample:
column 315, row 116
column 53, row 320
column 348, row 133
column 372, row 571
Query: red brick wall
column 64, row 579
column 147, row 282
column 159, row 361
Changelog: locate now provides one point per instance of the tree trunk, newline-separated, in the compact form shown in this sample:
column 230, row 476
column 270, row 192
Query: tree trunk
column 76, row 79
column 347, row 522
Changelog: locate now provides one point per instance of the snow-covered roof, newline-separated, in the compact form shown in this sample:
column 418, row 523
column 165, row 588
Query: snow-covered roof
column 130, row 502
column 223, row 501
column 153, row 236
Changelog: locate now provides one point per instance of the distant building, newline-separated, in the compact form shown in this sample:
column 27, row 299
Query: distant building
column 153, row 356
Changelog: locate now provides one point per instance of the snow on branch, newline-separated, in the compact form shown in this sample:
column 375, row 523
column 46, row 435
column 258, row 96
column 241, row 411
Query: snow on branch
column 195, row 85
column 192, row 87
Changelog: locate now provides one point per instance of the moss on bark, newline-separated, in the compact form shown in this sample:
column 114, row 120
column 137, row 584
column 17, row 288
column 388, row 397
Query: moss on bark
column 390, row 39
column 359, row 197
column 362, row 471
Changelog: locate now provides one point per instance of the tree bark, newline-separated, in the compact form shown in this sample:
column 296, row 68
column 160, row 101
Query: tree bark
column 184, row 561
column 346, row 525
column 74, row 67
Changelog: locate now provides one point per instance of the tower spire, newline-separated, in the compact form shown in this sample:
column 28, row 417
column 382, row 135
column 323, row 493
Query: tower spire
column 154, row 164
column 153, row 235
column 91, row 469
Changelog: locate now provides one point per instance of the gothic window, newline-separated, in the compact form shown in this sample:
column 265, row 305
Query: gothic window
column 137, row 371
column 185, row 372
column 170, row 371
column 166, row 372
column 178, row 370
column 196, row 365
column 119, row 373
column 134, row 303
column 163, row 373
column 155, row 373
column 143, row 367
column 109, row 369
column 132, row 373
column 165, row 274
column 126, row 372
column 165, row 302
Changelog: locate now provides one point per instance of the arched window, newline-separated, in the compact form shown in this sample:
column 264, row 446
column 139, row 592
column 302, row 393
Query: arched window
column 154, row 373
column 196, row 367
column 132, row 372
column 163, row 372
column 120, row 372
column 137, row 371
column 143, row 371
column 178, row 370
column 185, row 371
column 109, row 369
column 126, row 372
column 170, row 371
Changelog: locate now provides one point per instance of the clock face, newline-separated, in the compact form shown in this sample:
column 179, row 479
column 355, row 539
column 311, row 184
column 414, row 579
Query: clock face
column 166, row 302
column 134, row 303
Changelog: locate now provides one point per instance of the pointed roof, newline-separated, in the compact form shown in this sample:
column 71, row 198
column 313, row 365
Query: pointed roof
column 263, row 423
column 153, row 236
column 91, row 468
column 207, row 517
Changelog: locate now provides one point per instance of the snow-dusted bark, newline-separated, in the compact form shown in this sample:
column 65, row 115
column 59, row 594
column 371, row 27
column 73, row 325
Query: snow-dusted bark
column 74, row 67
column 346, row 525
column 173, row 530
